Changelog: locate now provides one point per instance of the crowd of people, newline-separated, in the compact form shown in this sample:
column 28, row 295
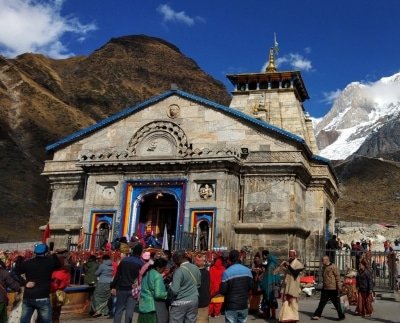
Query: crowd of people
column 365, row 267
column 42, row 278
column 177, row 287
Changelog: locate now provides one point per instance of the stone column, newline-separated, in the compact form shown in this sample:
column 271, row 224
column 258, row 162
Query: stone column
column 67, row 207
column 311, row 135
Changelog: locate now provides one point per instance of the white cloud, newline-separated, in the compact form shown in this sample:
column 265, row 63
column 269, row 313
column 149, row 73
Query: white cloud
column 384, row 91
column 331, row 96
column 170, row 15
column 37, row 26
column 307, row 50
column 294, row 60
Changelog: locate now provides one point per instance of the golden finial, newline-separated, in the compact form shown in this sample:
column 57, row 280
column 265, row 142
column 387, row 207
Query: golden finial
column 271, row 62
column 272, row 52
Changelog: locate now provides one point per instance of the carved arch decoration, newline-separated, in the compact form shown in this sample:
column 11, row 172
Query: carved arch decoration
column 168, row 132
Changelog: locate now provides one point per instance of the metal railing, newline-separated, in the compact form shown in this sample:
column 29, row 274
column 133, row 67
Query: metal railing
column 381, row 264
column 184, row 240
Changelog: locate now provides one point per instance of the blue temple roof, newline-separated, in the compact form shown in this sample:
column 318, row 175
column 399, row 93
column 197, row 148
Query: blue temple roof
column 219, row 107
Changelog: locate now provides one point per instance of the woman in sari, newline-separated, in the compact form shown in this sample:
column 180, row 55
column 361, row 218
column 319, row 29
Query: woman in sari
column 270, row 287
column 291, row 288
column 364, row 285
column 102, row 292
column 153, row 294
column 217, row 299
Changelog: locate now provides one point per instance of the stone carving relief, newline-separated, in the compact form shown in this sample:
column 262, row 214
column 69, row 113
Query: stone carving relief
column 206, row 191
column 157, row 144
column 174, row 111
column 159, row 138
column 106, row 191
column 257, row 212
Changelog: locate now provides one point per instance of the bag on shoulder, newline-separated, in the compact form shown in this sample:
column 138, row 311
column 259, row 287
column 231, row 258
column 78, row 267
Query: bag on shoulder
column 136, row 289
column 61, row 297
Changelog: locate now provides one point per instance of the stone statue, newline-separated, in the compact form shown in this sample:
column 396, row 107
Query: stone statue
column 206, row 191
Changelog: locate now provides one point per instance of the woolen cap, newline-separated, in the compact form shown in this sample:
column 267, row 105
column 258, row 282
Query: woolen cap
column 41, row 249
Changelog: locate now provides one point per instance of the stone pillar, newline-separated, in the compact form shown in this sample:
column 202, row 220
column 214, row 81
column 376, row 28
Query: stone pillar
column 311, row 135
column 67, row 207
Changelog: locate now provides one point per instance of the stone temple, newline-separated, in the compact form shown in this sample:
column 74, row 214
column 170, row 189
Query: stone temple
column 246, row 175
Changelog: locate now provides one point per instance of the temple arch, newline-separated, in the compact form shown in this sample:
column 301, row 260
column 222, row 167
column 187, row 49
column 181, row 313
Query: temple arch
column 171, row 139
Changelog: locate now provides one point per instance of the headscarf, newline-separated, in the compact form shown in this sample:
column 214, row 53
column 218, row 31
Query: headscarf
column 216, row 272
column 270, row 279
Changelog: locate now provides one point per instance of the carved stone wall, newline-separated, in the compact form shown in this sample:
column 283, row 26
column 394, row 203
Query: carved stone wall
column 280, row 108
column 67, row 200
column 266, row 199
column 253, row 177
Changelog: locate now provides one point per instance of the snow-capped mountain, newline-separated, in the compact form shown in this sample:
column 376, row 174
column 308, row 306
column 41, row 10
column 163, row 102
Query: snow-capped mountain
column 360, row 110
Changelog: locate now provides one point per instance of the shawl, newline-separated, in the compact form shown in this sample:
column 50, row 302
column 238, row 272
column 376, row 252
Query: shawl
column 291, row 285
column 270, row 279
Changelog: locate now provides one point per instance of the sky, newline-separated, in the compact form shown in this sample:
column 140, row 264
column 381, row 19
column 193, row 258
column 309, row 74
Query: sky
column 332, row 43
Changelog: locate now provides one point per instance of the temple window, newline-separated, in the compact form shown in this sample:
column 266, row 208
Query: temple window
column 252, row 86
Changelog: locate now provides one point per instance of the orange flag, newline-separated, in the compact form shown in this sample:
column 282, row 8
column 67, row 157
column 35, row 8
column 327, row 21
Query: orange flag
column 46, row 233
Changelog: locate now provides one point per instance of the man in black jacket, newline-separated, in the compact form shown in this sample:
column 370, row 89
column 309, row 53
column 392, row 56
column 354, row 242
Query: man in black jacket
column 127, row 273
column 38, row 271
column 236, row 282
column 204, row 289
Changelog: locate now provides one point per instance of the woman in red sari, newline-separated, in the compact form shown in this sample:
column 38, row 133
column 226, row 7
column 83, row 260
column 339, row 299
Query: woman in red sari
column 364, row 285
column 217, row 300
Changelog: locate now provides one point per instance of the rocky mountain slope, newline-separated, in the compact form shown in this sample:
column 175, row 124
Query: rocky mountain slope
column 44, row 99
column 369, row 190
column 359, row 111
column 383, row 143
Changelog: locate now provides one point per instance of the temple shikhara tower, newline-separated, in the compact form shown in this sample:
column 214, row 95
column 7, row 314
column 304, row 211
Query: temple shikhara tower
column 201, row 174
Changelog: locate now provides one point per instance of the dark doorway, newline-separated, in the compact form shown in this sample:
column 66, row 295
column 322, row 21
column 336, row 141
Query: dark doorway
column 103, row 234
column 204, row 235
column 158, row 210
column 328, row 218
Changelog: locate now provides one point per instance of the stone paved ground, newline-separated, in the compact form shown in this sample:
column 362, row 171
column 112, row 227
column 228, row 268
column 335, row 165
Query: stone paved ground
column 384, row 312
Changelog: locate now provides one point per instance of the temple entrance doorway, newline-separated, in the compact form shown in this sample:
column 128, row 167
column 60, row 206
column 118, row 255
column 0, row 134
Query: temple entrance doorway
column 203, row 228
column 203, row 234
column 103, row 234
column 101, row 230
column 158, row 211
